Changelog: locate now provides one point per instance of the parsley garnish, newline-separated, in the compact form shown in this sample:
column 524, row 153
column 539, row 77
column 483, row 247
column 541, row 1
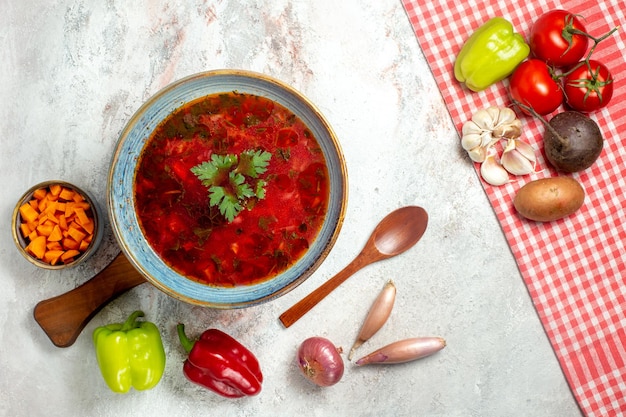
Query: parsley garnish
column 233, row 179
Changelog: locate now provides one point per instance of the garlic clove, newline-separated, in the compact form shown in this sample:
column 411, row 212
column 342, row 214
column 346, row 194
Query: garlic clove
column 492, row 172
column 470, row 141
column 493, row 114
column 470, row 127
column 506, row 116
column 477, row 154
column 510, row 130
column 516, row 162
column 526, row 150
column 488, row 140
column 482, row 118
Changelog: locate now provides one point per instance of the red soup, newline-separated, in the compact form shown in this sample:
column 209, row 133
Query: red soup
column 231, row 189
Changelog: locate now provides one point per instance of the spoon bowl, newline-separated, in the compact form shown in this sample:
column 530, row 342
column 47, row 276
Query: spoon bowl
column 395, row 234
column 399, row 231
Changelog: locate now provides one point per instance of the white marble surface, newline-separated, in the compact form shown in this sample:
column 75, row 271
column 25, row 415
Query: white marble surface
column 73, row 72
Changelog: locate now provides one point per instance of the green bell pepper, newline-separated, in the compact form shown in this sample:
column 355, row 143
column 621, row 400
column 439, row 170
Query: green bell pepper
column 490, row 54
column 130, row 354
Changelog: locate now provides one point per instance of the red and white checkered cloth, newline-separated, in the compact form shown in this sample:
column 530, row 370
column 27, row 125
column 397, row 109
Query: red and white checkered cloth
column 575, row 268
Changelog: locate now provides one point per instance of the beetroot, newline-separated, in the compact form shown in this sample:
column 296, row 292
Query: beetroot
column 572, row 141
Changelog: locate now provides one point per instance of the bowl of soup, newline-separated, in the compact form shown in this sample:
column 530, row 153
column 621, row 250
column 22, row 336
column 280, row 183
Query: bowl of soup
column 227, row 189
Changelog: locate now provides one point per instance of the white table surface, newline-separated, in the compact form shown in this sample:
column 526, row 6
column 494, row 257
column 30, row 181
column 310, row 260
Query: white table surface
column 74, row 72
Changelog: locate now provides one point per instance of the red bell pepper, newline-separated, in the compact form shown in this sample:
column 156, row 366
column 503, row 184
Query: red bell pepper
column 220, row 363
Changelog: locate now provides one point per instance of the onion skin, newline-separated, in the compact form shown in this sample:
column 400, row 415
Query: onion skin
column 320, row 361
column 404, row 351
column 377, row 316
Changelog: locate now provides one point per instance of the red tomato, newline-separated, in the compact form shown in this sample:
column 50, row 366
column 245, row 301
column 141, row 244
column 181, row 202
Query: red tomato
column 588, row 87
column 558, row 38
column 532, row 84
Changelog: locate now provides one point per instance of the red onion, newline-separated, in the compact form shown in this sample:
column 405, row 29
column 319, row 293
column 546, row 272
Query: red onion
column 320, row 361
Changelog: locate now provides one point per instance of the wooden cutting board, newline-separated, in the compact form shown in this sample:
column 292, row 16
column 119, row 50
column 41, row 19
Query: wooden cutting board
column 63, row 317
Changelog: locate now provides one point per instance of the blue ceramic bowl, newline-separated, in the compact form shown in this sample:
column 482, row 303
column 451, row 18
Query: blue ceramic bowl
column 120, row 189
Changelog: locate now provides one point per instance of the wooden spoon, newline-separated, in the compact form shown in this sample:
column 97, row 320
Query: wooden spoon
column 63, row 317
column 396, row 233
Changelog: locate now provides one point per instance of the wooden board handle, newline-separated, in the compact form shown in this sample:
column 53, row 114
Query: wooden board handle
column 63, row 317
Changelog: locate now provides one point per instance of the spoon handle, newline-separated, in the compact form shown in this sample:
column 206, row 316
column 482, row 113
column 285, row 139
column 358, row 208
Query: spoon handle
column 63, row 317
column 299, row 309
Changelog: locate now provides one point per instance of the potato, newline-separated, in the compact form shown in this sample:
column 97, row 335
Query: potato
column 549, row 199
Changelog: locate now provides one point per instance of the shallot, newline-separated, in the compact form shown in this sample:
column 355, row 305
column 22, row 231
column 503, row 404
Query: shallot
column 320, row 361
column 377, row 316
column 404, row 351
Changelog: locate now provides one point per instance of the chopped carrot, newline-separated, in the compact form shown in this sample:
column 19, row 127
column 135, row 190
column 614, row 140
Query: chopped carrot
column 25, row 229
column 63, row 221
column 69, row 255
column 51, row 207
column 56, row 235
column 83, row 245
column 57, row 223
column 28, row 213
column 66, row 194
column 81, row 216
column 89, row 227
column 76, row 234
column 40, row 194
column 69, row 243
column 44, row 229
column 55, row 189
column 37, row 247
column 33, row 235
column 53, row 256
column 54, row 246
column 53, row 219
column 69, row 209
column 81, row 204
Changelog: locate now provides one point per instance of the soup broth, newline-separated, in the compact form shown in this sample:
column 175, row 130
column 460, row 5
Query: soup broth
column 270, row 233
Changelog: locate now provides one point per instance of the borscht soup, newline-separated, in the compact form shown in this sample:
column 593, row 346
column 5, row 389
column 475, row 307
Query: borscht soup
column 231, row 189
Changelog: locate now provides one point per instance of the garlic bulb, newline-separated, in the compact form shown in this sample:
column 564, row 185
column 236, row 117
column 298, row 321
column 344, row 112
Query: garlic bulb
column 486, row 128
column 492, row 171
column 480, row 135
column 518, row 157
